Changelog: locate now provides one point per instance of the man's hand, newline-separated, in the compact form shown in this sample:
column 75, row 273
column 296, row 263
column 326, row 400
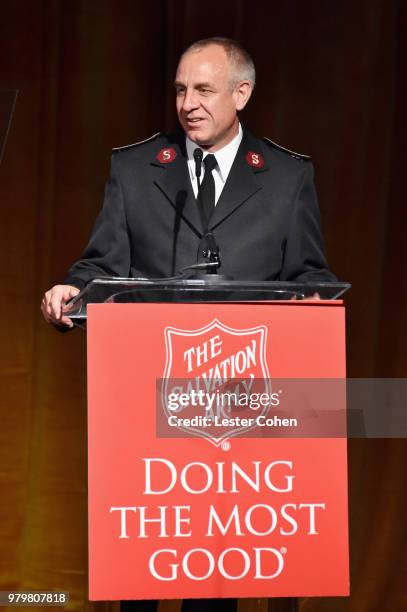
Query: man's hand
column 314, row 298
column 53, row 302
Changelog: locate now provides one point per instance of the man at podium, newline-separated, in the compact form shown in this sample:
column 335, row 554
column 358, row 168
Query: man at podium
column 210, row 189
column 210, row 194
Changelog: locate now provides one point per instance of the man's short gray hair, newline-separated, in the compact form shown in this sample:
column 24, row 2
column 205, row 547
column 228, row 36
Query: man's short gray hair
column 242, row 64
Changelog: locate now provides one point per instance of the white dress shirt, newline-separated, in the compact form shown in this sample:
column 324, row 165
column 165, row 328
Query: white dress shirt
column 225, row 158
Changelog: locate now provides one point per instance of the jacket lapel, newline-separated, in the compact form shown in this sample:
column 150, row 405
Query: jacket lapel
column 174, row 182
column 241, row 183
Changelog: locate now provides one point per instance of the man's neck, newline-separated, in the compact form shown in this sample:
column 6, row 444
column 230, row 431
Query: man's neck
column 213, row 148
column 191, row 145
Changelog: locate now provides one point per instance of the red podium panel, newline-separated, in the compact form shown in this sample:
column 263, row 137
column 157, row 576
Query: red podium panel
column 192, row 518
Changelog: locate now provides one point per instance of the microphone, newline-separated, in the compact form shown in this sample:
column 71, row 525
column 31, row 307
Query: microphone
column 208, row 269
column 198, row 156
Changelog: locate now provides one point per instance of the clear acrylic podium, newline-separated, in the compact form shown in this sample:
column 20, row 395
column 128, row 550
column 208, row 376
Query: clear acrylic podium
column 187, row 290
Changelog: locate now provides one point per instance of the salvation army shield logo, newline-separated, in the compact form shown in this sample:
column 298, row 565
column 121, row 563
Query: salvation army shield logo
column 216, row 381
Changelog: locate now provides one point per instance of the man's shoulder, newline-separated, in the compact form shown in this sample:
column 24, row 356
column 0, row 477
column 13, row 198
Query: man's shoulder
column 157, row 150
column 147, row 147
column 274, row 156
column 140, row 146
column 284, row 152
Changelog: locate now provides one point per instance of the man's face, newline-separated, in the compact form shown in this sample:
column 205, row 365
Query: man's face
column 206, row 104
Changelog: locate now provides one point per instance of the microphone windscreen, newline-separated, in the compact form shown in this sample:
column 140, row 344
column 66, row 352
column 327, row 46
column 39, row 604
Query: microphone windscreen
column 198, row 154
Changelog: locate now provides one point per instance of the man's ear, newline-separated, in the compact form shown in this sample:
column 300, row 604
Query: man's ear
column 242, row 94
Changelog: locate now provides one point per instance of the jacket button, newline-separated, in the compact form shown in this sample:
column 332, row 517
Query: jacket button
column 205, row 253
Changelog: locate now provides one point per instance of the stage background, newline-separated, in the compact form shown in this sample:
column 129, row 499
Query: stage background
column 94, row 74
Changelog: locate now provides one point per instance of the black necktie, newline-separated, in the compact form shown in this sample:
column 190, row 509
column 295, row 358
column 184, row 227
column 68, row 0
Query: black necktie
column 208, row 186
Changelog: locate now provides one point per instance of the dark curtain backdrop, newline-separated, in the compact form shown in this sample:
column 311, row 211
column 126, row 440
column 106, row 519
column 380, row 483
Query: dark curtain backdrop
column 94, row 74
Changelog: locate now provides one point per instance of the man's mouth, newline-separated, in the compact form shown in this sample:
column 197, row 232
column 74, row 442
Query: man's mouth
column 194, row 120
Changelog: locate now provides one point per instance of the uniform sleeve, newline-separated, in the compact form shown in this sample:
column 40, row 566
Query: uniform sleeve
column 108, row 251
column 304, row 257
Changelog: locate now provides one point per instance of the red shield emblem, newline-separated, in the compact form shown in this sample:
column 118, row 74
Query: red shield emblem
column 166, row 156
column 210, row 378
column 256, row 160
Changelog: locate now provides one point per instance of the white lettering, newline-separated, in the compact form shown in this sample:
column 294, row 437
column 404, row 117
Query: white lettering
column 233, row 518
column 123, row 518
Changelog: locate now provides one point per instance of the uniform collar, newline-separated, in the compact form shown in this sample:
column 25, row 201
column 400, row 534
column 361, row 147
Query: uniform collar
column 225, row 156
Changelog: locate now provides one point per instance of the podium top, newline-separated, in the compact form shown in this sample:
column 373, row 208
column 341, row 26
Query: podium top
column 186, row 290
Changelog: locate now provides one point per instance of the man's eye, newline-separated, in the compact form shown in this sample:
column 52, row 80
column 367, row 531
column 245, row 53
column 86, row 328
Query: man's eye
column 180, row 91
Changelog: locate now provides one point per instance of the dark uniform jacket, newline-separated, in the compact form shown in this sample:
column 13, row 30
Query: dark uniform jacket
column 266, row 221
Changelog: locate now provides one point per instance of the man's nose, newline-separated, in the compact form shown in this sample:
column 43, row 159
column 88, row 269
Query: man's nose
column 191, row 100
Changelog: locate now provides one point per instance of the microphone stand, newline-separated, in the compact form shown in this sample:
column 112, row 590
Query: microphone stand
column 206, row 270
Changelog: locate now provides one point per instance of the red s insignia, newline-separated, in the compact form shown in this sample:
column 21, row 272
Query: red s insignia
column 165, row 156
column 256, row 160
